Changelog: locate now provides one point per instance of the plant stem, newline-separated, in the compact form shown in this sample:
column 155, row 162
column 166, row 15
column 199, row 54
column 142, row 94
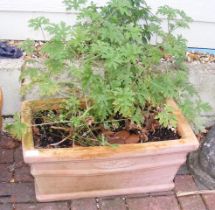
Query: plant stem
column 49, row 123
column 61, row 128
column 43, row 33
column 67, row 121
column 63, row 140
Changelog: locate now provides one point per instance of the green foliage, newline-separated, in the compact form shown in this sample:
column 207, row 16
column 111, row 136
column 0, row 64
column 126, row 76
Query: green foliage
column 73, row 4
column 123, row 101
column 166, row 117
column 109, row 61
column 176, row 18
column 17, row 129
column 59, row 31
column 38, row 23
column 191, row 111
column 28, row 46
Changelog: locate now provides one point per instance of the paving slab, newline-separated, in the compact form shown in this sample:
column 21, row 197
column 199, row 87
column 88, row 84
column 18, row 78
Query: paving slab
column 5, row 173
column 153, row 203
column 186, row 184
column 5, row 192
column 84, row 204
column 6, row 156
column 22, row 174
column 43, row 206
column 116, row 203
column 18, row 156
column 6, row 206
column 23, row 192
column 209, row 201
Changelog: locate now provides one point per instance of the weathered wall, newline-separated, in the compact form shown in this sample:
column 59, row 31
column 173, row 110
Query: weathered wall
column 9, row 81
column 203, row 78
column 201, row 75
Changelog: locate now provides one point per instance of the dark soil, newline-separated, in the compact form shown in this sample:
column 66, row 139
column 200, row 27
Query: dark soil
column 45, row 137
column 162, row 134
column 49, row 136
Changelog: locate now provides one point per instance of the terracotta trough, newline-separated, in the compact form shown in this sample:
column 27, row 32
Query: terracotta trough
column 81, row 172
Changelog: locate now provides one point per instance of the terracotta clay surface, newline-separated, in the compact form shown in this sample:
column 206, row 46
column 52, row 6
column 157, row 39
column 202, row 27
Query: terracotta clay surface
column 80, row 172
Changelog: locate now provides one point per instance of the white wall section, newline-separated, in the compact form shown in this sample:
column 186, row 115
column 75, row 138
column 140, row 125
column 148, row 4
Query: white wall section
column 14, row 16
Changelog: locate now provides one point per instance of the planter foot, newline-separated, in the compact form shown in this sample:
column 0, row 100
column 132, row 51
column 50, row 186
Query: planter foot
column 47, row 197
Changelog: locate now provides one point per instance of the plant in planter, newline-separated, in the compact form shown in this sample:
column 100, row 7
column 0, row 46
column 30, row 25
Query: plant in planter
column 117, row 117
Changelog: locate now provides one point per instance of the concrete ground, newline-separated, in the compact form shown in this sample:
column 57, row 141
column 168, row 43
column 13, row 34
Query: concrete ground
column 17, row 192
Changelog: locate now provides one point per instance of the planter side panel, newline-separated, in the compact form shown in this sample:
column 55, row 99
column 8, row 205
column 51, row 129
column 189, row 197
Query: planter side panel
column 74, row 183
column 72, row 187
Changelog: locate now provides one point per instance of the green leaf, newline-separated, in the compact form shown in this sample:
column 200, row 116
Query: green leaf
column 38, row 23
column 54, row 49
column 122, row 6
column 166, row 117
column 31, row 73
column 123, row 101
column 60, row 31
column 17, row 129
column 137, row 117
column 48, row 87
column 73, row 4
column 28, row 46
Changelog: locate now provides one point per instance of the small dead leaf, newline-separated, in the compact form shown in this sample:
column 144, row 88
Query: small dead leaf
column 132, row 139
column 12, row 180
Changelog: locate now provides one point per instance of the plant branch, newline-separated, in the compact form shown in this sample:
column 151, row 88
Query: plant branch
column 50, row 123
column 60, row 142
column 61, row 128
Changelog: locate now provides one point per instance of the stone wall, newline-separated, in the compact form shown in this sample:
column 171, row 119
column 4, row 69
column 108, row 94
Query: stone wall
column 9, row 81
column 201, row 75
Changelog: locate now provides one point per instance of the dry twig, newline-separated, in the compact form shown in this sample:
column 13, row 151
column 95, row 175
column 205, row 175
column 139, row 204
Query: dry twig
column 62, row 128
column 200, row 192
column 60, row 142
